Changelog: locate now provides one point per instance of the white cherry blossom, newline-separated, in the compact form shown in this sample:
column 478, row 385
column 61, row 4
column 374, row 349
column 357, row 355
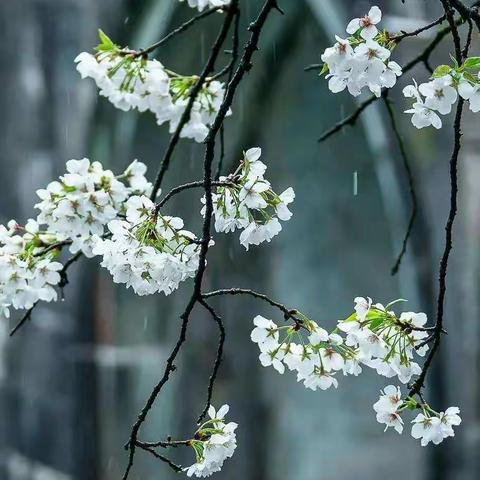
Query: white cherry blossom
column 130, row 81
column 439, row 94
column 248, row 202
column 202, row 4
column 79, row 205
column 212, row 449
column 427, row 429
column 470, row 92
column 148, row 251
column 367, row 24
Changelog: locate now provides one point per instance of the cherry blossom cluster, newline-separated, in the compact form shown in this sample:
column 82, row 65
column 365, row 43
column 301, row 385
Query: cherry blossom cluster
column 79, row 205
column 28, row 271
column 247, row 202
column 436, row 97
column 362, row 60
column 148, row 251
column 132, row 81
column 315, row 356
column 201, row 4
column 428, row 426
column 385, row 342
column 73, row 211
column 373, row 336
column 214, row 442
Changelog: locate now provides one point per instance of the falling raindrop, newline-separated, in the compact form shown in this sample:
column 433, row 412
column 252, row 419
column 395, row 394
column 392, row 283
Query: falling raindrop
column 355, row 183
column 192, row 157
column 145, row 323
column 202, row 46
column 241, row 108
column 126, row 20
column 231, row 253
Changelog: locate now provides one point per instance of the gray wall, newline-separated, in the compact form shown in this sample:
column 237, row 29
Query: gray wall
column 77, row 375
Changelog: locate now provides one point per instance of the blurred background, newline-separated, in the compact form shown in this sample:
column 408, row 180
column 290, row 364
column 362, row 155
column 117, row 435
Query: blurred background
column 73, row 380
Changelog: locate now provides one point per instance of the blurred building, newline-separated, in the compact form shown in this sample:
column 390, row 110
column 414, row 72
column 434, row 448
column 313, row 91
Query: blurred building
column 73, row 380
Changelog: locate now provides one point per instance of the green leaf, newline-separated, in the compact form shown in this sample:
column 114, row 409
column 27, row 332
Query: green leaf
column 441, row 71
column 351, row 318
column 411, row 404
column 105, row 39
column 471, row 78
column 324, row 70
column 454, row 60
column 472, row 62
column 106, row 44
column 376, row 322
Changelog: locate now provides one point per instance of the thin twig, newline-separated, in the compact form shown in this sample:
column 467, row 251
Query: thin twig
column 288, row 313
column 442, row 277
column 182, row 28
column 228, row 69
column 419, row 383
column 349, row 120
column 469, row 39
column 27, row 315
column 243, row 67
column 187, row 186
column 131, row 445
column 165, row 444
column 53, row 246
column 467, row 12
column 209, row 67
column 411, row 184
column 235, row 46
column 173, row 466
column 218, row 359
column 398, row 38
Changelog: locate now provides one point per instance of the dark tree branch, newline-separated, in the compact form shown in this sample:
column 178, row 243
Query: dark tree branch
column 166, row 444
column 447, row 5
column 180, row 29
column 26, row 317
column 313, row 66
column 173, row 466
column 53, row 246
column 222, row 153
column 442, row 278
column 288, row 313
column 229, row 69
column 411, row 184
column 243, row 67
column 235, row 46
column 350, row 119
column 218, row 359
column 398, row 38
column 467, row 12
column 468, row 43
column 131, row 445
column 209, row 67
column 188, row 186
